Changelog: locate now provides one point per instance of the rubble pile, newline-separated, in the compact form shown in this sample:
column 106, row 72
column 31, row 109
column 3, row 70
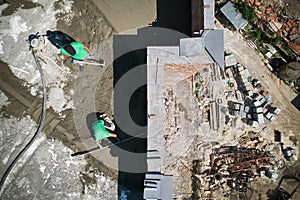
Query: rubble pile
column 251, row 139
column 245, row 153
column 248, row 100
column 172, row 116
column 233, row 168
column 202, row 91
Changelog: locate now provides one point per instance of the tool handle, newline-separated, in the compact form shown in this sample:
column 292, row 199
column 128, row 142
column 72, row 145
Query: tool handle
column 85, row 152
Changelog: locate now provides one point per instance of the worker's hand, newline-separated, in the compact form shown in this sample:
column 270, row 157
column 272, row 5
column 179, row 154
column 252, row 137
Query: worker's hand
column 113, row 135
column 98, row 143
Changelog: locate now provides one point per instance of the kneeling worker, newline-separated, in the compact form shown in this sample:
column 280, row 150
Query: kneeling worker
column 100, row 132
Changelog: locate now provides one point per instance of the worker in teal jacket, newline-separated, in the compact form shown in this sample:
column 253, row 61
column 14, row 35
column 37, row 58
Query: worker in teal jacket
column 100, row 132
column 76, row 50
column 69, row 47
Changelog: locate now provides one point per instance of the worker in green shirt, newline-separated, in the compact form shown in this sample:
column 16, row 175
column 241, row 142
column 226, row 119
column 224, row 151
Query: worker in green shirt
column 76, row 50
column 100, row 132
column 69, row 47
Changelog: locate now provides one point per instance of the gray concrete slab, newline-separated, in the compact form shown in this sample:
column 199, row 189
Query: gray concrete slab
column 192, row 47
column 209, row 14
column 230, row 60
column 167, row 188
column 214, row 44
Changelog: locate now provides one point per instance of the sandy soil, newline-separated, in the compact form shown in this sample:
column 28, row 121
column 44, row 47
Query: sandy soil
column 127, row 15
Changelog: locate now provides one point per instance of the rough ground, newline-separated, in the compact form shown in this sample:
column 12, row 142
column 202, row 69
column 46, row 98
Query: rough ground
column 280, row 92
column 84, row 177
column 281, row 95
column 47, row 171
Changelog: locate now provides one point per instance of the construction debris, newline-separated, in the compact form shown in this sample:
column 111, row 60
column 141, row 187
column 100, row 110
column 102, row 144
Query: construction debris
column 234, row 166
column 250, row 102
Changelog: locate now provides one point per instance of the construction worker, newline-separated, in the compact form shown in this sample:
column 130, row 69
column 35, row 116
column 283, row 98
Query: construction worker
column 76, row 50
column 103, row 128
column 58, row 38
column 69, row 47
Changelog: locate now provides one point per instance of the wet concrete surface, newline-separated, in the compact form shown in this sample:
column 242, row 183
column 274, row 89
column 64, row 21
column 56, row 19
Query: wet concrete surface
column 16, row 108
column 175, row 15
column 126, row 16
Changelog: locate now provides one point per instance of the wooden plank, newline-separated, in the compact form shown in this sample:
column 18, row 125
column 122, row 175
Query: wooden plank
column 33, row 107
column 14, row 93
column 52, row 125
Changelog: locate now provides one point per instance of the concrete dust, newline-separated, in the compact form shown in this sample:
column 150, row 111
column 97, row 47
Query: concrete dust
column 13, row 132
column 3, row 100
column 54, row 176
